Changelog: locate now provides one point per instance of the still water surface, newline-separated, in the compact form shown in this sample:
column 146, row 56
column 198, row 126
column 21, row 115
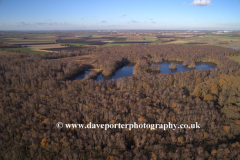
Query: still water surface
column 165, row 67
column 232, row 45
column 127, row 71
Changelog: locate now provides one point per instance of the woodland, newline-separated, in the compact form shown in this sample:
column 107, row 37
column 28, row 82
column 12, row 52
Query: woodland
column 36, row 93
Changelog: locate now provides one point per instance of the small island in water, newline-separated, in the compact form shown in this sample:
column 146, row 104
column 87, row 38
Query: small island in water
column 145, row 67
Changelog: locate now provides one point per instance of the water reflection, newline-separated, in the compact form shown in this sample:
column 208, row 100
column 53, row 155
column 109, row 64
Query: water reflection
column 232, row 45
column 81, row 75
column 202, row 65
column 127, row 71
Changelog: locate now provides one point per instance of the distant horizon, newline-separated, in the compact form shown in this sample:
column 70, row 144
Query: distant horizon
column 119, row 15
column 122, row 30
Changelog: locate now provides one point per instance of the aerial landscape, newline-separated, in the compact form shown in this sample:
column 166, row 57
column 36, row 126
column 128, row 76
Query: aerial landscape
column 120, row 80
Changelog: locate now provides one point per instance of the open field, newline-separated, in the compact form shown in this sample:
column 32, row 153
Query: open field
column 83, row 41
column 237, row 58
column 134, row 42
column 150, row 38
column 73, row 40
column 135, row 38
column 24, row 41
column 27, row 42
column 84, row 59
column 72, row 44
column 177, row 42
column 210, row 40
column 116, row 44
column 24, row 50
column 23, row 35
column 64, row 49
column 99, row 39
column 45, row 46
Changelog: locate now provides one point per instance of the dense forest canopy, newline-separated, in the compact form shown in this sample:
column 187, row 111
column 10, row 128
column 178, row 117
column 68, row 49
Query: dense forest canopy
column 36, row 93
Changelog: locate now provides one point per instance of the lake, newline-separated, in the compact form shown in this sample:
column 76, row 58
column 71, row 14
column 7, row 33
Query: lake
column 81, row 75
column 202, row 65
column 232, row 45
column 127, row 71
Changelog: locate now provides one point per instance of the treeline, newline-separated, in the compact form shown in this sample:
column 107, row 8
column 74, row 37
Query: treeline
column 35, row 95
column 65, row 53
column 109, row 56
column 6, row 45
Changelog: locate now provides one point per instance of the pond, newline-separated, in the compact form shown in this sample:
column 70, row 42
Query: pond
column 232, row 45
column 127, row 71
column 202, row 65
column 81, row 75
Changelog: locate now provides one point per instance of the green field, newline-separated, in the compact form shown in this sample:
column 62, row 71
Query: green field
column 97, row 39
column 23, row 41
column 23, row 50
column 73, row 44
column 31, row 41
column 34, row 35
column 4, row 40
column 38, row 35
column 150, row 38
column 101, row 35
column 28, row 35
column 117, row 44
column 237, row 58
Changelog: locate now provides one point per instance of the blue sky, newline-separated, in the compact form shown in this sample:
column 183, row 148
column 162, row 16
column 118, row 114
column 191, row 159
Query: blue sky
column 119, row 14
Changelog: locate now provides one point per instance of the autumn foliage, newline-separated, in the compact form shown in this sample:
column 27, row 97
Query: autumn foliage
column 36, row 93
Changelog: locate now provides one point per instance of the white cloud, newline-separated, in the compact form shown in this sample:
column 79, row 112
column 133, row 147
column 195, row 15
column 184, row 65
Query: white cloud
column 184, row 3
column 201, row 2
